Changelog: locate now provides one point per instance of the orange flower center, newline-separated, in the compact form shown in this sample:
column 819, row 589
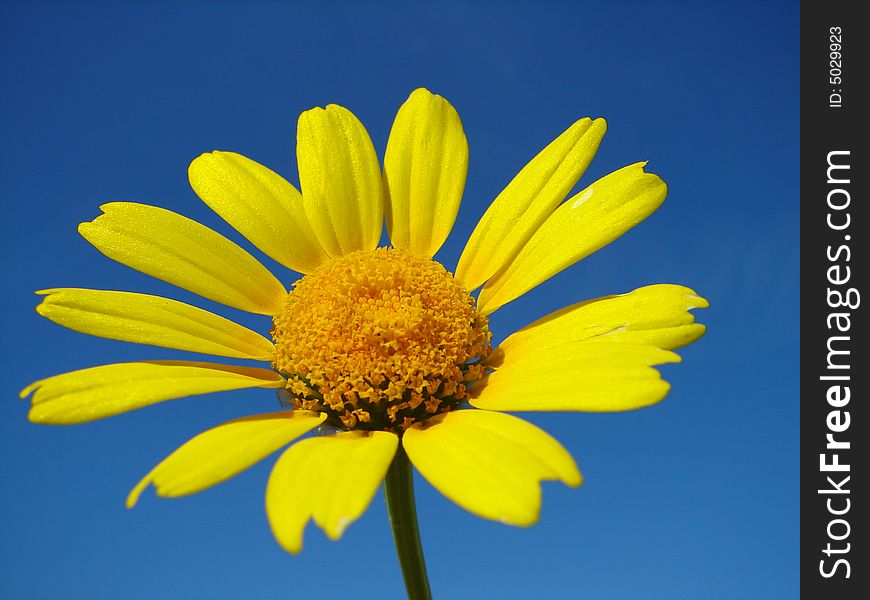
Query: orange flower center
column 379, row 340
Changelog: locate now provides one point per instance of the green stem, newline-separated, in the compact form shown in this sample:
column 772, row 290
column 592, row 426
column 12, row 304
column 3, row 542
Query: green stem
column 399, row 490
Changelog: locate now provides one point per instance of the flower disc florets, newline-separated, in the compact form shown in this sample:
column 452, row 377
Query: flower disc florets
column 379, row 340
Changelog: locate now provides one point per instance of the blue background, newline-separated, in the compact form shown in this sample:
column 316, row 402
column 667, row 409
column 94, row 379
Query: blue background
column 696, row 497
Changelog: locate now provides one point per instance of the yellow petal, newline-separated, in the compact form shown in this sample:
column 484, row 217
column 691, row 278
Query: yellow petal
column 424, row 173
column 591, row 376
column 98, row 392
column 527, row 201
column 657, row 315
column 223, row 452
column 583, row 224
column 153, row 320
column 261, row 205
column 489, row 463
column 340, row 179
column 173, row 248
column 330, row 479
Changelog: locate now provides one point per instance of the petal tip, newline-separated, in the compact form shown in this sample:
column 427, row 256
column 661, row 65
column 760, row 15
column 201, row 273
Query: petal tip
column 526, row 520
column 107, row 207
column 697, row 301
column 39, row 416
column 294, row 546
column 570, row 475
column 575, row 482
column 335, row 530
column 663, row 393
column 421, row 92
column 29, row 389
column 133, row 497
column 668, row 356
column 200, row 161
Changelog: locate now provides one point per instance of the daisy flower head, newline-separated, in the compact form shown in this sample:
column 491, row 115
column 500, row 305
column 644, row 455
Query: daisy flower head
column 382, row 349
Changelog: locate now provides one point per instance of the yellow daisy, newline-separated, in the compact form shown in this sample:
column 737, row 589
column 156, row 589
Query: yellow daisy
column 381, row 351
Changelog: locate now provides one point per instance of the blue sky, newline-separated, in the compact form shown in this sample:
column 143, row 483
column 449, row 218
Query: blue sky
column 695, row 497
